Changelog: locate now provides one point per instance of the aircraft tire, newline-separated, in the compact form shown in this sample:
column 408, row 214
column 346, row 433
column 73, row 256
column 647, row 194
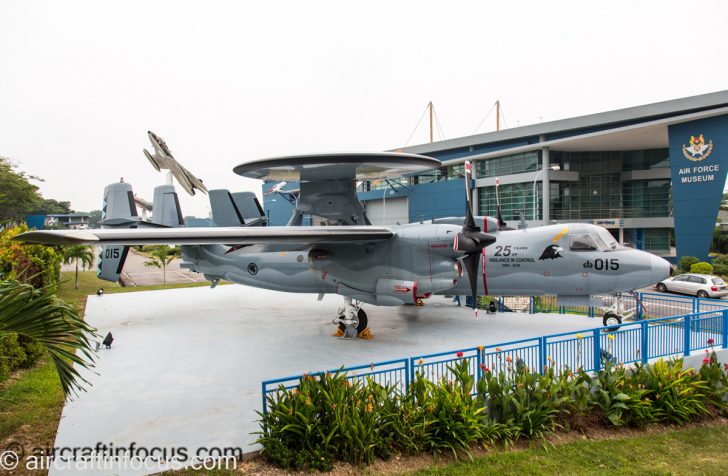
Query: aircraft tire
column 363, row 321
column 608, row 321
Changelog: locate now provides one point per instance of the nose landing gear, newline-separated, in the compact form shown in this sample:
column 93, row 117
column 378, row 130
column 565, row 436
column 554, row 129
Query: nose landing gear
column 352, row 320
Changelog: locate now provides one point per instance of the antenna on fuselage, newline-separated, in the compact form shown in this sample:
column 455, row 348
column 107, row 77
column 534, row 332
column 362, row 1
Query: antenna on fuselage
column 501, row 223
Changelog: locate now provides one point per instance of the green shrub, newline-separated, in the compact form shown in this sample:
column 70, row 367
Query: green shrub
column 329, row 418
column 686, row 262
column 675, row 395
column 17, row 352
column 618, row 400
column 523, row 400
column 38, row 265
column 702, row 268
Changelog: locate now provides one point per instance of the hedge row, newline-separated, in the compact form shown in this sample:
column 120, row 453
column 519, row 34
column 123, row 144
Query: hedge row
column 332, row 418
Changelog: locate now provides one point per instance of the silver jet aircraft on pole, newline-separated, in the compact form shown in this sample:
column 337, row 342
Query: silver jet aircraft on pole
column 342, row 253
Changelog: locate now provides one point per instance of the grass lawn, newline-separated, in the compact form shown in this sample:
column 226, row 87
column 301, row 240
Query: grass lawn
column 690, row 451
column 30, row 407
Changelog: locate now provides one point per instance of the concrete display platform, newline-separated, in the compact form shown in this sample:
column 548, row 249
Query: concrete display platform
column 186, row 367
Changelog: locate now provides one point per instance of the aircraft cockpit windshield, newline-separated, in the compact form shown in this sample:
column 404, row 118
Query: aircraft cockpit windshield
column 597, row 239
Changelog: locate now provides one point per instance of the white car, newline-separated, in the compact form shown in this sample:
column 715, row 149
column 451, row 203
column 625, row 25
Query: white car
column 700, row 285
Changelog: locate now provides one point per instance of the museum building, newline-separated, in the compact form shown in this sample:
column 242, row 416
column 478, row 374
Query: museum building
column 653, row 175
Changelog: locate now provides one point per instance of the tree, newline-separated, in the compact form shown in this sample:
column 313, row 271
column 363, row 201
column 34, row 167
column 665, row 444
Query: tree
column 55, row 325
column 76, row 253
column 724, row 201
column 48, row 206
column 18, row 196
column 159, row 258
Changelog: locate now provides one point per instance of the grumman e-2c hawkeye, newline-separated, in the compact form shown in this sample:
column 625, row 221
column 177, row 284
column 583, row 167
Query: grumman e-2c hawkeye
column 379, row 265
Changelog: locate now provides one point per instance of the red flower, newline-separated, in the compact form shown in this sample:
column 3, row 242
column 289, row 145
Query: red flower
column 706, row 361
column 725, row 367
column 710, row 341
column 485, row 368
column 460, row 355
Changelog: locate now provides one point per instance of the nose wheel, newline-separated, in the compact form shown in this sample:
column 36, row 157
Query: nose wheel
column 351, row 320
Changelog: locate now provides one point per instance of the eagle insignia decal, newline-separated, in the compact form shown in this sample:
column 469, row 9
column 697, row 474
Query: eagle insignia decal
column 551, row 252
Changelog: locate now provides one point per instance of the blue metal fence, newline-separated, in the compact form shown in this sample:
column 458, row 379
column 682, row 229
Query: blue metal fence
column 586, row 349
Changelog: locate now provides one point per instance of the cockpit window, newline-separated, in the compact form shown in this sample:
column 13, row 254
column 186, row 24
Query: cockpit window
column 582, row 243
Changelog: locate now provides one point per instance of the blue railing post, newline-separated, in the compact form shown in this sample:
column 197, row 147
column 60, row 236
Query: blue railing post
column 541, row 354
column 597, row 349
column 638, row 307
column 406, row 374
column 265, row 407
column 644, row 351
column 531, row 306
column 696, row 305
column 479, row 362
column 686, row 343
column 410, row 371
column 725, row 329
column 561, row 309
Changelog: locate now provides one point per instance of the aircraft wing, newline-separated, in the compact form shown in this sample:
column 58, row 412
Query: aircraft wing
column 210, row 235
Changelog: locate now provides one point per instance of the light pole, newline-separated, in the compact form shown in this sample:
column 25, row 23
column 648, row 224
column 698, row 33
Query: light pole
column 535, row 179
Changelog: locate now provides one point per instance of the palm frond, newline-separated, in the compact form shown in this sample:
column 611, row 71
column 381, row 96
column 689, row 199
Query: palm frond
column 56, row 325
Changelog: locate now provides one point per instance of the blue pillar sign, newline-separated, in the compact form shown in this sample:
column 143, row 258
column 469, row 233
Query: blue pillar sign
column 698, row 163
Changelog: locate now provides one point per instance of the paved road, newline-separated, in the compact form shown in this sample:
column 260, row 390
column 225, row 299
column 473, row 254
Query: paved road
column 137, row 274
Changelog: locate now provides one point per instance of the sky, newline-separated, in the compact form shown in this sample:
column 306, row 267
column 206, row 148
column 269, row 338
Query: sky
column 225, row 82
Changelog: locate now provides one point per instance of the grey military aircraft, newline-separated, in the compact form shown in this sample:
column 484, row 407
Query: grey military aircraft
column 163, row 159
column 342, row 253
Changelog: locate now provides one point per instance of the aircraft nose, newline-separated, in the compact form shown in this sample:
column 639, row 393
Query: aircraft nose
column 661, row 268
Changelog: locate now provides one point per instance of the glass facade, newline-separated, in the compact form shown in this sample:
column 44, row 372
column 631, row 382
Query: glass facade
column 657, row 239
column 515, row 199
column 646, row 198
column 451, row 172
column 600, row 192
column 508, row 165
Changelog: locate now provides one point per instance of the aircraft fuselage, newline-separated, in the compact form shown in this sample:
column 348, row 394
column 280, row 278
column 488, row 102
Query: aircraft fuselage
column 420, row 261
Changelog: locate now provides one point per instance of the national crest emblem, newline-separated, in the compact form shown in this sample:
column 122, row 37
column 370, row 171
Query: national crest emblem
column 697, row 150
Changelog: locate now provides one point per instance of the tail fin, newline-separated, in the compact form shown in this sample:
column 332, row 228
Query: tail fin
column 235, row 209
column 119, row 210
column 165, row 209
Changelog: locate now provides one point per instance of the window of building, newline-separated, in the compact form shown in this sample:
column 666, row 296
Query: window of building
column 515, row 199
column 509, row 164
column 647, row 198
column 657, row 239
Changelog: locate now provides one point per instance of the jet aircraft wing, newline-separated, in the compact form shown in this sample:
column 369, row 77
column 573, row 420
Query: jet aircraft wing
column 210, row 235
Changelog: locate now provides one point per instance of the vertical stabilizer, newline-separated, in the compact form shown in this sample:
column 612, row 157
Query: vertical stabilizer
column 166, row 209
column 118, row 205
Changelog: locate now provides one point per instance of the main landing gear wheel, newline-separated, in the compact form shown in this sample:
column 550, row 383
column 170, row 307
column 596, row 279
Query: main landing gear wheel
column 612, row 321
column 360, row 325
column 661, row 287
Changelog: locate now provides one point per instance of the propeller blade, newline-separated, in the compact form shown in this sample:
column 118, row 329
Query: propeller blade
column 471, row 267
column 469, row 220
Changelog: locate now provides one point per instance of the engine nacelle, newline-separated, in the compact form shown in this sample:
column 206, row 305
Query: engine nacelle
column 394, row 292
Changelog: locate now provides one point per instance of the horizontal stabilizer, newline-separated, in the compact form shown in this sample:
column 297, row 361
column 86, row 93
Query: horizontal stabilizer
column 210, row 236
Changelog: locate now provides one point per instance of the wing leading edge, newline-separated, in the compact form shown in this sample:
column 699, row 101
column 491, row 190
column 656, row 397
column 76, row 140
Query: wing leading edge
column 210, row 236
